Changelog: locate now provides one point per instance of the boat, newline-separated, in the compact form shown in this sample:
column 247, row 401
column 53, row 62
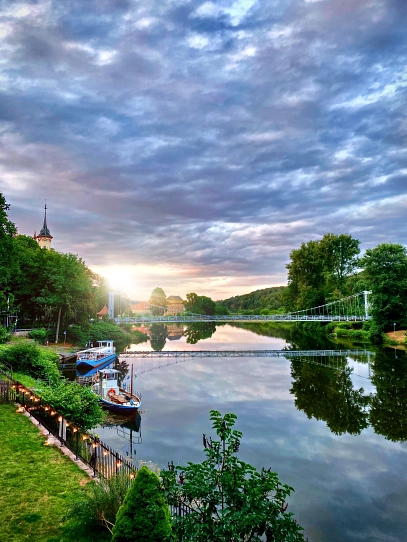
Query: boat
column 99, row 356
column 112, row 396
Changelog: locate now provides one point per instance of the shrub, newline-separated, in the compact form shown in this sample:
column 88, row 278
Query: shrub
column 74, row 402
column 144, row 514
column 31, row 359
column 3, row 335
column 39, row 335
column 100, row 501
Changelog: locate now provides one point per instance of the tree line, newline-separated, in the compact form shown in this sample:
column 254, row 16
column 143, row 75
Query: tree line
column 328, row 269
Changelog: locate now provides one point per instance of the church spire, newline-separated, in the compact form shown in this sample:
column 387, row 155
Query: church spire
column 44, row 237
column 45, row 231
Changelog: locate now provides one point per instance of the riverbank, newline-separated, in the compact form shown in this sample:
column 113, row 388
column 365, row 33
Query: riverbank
column 38, row 484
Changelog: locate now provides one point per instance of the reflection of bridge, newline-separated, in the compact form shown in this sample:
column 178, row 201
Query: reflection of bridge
column 349, row 309
column 152, row 361
column 239, row 353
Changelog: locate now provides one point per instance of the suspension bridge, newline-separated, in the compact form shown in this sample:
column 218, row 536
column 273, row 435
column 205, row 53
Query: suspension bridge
column 354, row 308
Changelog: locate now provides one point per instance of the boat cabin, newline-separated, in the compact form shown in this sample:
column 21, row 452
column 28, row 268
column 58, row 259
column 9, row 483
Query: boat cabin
column 108, row 380
column 98, row 352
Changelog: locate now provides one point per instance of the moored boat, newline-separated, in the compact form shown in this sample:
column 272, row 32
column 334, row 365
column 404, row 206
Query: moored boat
column 99, row 356
column 112, row 396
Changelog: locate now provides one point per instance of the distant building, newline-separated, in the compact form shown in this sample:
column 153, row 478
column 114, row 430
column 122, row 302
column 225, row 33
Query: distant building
column 143, row 307
column 44, row 238
column 103, row 312
column 175, row 305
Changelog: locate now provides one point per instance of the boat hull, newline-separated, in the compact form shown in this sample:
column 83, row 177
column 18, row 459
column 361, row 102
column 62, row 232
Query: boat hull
column 119, row 409
column 87, row 365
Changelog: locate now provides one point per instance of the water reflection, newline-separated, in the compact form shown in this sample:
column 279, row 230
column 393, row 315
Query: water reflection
column 338, row 439
column 388, row 413
column 158, row 336
column 328, row 394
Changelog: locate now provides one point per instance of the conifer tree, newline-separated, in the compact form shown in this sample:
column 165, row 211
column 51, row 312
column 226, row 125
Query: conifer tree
column 144, row 514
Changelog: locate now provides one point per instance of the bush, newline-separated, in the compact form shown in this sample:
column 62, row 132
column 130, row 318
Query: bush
column 144, row 514
column 31, row 359
column 39, row 335
column 100, row 501
column 3, row 335
column 74, row 402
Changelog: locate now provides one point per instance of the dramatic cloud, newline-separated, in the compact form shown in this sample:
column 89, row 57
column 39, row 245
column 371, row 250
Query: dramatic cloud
column 194, row 144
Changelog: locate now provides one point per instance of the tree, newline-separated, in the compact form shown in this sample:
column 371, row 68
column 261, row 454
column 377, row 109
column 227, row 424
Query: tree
column 319, row 270
column 385, row 268
column 158, row 301
column 144, row 514
column 200, row 304
column 7, row 255
column 67, row 291
column 225, row 499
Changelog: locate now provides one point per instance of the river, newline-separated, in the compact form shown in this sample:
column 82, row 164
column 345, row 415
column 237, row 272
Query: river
column 338, row 437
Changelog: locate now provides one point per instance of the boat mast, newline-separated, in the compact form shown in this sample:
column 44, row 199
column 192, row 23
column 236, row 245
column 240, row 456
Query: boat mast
column 131, row 381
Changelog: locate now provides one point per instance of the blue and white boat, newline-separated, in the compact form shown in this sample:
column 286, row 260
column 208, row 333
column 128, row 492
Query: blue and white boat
column 97, row 357
column 112, row 396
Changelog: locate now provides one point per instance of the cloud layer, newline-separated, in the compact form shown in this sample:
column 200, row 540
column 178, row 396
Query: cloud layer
column 197, row 143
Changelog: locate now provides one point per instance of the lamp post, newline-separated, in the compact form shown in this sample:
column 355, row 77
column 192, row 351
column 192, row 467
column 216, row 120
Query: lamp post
column 394, row 328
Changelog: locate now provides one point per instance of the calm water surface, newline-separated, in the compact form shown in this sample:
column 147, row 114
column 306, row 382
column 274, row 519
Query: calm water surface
column 338, row 439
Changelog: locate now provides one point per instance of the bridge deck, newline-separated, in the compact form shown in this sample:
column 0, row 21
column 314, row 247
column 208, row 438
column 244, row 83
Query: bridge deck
column 237, row 318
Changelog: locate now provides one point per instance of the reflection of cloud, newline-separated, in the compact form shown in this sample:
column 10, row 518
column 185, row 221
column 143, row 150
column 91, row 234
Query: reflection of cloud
column 206, row 138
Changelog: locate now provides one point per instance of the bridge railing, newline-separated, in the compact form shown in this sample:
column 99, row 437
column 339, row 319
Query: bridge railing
column 240, row 318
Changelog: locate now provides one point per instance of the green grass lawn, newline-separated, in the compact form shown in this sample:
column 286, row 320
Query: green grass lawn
column 37, row 483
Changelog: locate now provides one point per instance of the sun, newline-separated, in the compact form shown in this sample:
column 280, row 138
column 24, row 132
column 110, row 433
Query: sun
column 120, row 278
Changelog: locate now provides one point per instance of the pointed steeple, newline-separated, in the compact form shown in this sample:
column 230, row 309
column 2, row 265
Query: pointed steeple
column 45, row 231
column 44, row 237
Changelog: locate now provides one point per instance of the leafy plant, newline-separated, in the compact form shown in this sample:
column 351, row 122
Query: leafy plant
column 74, row 402
column 144, row 514
column 39, row 335
column 100, row 502
column 31, row 359
column 225, row 499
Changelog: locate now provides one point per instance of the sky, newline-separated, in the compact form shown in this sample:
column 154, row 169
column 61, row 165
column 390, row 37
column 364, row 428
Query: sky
column 191, row 145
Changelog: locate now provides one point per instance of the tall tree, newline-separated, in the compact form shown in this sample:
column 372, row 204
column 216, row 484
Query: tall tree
column 67, row 292
column 7, row 255
column 318, row 271
column 385, row 268
column 199, row 304
column 158, row 301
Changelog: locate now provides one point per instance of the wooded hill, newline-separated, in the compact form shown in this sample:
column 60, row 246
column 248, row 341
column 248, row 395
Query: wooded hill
column 267, row 298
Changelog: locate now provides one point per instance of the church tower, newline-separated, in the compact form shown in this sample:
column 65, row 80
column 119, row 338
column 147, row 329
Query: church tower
column 44, row 238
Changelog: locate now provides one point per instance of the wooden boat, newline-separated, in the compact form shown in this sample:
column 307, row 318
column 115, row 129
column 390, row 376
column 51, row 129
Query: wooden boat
column 114, row 398
column 92, row 358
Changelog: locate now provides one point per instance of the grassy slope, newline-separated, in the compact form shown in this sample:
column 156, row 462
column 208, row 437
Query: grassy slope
column 36, row 483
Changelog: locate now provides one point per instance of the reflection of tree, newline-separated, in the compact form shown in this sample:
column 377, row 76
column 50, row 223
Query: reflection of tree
column 199, row 331
column 388, row 414
column 158, row 336
column 123, row 368
column 328, row 394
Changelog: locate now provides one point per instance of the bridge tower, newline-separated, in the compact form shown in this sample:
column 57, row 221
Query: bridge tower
column 110, row 306
column 44, row 238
